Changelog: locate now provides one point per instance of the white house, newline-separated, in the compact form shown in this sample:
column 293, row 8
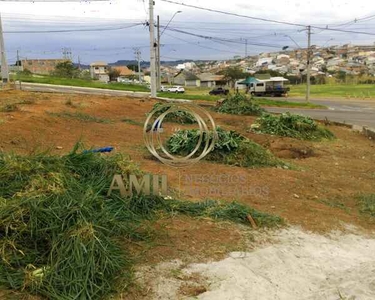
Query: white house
column 99, row 71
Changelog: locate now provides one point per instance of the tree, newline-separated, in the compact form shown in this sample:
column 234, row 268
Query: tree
column 133, row 68
column 113, row 74
column 66, row 69
column 232, row 74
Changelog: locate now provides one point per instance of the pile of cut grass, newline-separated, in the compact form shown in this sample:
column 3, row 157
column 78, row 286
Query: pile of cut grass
column 60, row 232
column 181, row 117
column 231, row 148
column 290, row 125
column 239, row 104
column 80, row 116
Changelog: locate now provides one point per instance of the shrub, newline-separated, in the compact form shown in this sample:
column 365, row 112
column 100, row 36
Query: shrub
column 231, row 148
column 239, row 104
column 295, row 126
column 180, row 117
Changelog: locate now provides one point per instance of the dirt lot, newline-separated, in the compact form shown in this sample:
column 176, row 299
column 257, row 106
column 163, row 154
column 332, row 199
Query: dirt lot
column 327, row 172
column 318, row 193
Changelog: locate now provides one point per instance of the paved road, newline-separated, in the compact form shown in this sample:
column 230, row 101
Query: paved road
column 354, row 112
column 362, row 118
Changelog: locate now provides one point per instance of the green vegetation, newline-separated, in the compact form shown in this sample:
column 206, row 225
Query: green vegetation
column 189, row 96
column 239, row 104
column 234, row 212
column 335, row 90
column 132, row 122
column 295, row 126
column 367, row 204
column 60, row 233
column 180, row 117
column 66, row 69
column 80, row 117
column 10, row 108
column 83, row 83
column 231, row 148
column 284, row 103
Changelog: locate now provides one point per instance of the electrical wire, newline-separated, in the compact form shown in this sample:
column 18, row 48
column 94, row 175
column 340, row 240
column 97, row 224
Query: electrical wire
column 264, row 19
column 75, row 30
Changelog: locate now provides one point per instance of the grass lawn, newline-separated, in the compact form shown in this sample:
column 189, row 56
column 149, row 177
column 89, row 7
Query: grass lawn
column 284, row 103
column 335, row 90
column 84, row 83
column 189, row 96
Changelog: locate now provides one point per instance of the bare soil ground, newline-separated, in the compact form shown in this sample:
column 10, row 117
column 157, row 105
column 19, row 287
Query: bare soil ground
column 318, row 194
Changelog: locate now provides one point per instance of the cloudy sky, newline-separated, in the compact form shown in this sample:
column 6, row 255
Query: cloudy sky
column 109, row 30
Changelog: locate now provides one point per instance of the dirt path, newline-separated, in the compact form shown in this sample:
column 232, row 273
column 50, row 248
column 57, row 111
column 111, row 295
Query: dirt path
column 295, row 265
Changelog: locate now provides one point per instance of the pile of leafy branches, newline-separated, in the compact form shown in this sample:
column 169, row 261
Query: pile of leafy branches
column 239, row 104
column 295, row 126
column 60, row 232
column 180, row 117
column 231, row 148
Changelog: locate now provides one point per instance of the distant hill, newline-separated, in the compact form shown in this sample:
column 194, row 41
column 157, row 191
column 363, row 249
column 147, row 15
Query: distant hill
column 146, row 64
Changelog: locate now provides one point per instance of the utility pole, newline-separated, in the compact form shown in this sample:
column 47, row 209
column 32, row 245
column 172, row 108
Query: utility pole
column 67, row 53
column 308, row 63
column 152, row 49
column 4, row 65
column 137, row 53
column 158, row 68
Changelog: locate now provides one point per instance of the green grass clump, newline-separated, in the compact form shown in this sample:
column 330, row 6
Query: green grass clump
column 231, row 148
column 80, row 117
column 180, row 117
column 234, row 212
column 239, row 104
column 60, row 232
column 10, row 108
column 367, row 204
column 189, row 96
column 295, row 126
column 132, row 122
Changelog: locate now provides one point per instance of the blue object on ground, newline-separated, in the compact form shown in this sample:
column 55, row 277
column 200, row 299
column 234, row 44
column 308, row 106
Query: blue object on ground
column 100, row 150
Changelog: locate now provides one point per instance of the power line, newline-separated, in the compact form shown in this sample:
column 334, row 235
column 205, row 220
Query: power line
column 74, row 30
column 199, row 45
column 233, row 14
column 264, row 19
column 225, row 40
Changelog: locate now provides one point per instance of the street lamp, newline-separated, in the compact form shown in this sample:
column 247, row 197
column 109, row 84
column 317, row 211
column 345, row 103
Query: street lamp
column 177, row 12
column 288, row 36
column 327, row 42
column 158, row 79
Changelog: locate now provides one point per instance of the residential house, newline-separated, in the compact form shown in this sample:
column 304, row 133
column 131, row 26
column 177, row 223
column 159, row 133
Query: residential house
column 211, row 80
column 99, row 71
column 41, row 66
column 187, row 79
column 124, row 73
